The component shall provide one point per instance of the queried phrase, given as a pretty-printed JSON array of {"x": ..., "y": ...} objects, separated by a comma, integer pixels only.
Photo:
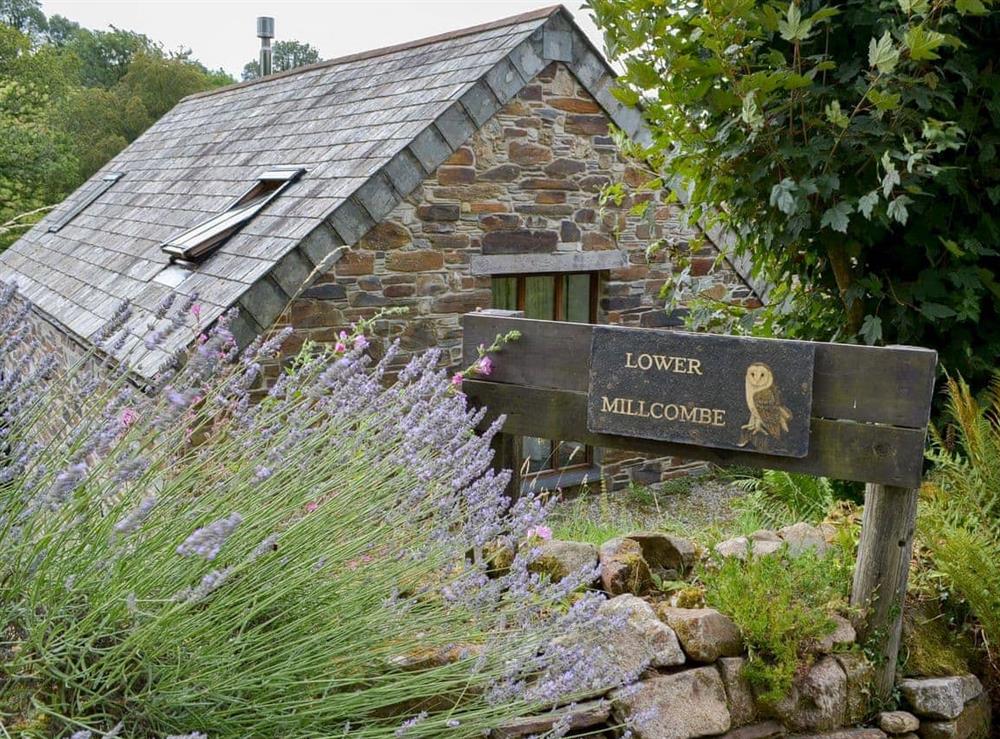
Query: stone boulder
[
  {"x": 560, "y": 559},
  {"x": 860, "y": 674},
  {"x": 803, "y": 537},
  {"x": 940, "y": 697},
  {"x": 817, "y": 701},
  {"x": 741, "y": 547},
  {"x": 704, "y": 633},
  {"x": 574, "y": 716},
  {"x": 765, "y": 730},
  {"x": 972, "y": 723},
  {"x": 742, "y": 708},
  {"x": 669, "y": 557},
  {"x": 623, "y": 569},
  {"x": 684, "y": 705},
  {"x": 859, "y": 733},
  {"x": 842, "y": 636},
  {"x": 898, "y": 722},
  {"x": 636, "y": 638}
]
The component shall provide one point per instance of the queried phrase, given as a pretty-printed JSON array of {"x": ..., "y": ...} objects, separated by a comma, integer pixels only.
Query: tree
[
  {"x": 285, "y": 55},
  {"x": 850, "y": 146},
  {"x": 25, "y": 16},
  {"x": 105, "y": 56}
]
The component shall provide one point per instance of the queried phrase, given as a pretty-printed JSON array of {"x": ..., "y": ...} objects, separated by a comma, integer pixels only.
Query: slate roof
[{"x": 367, "y": 128}]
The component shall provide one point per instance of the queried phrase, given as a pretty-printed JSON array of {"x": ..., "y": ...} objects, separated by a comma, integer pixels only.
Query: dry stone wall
[{"x": 527, "y": 184}]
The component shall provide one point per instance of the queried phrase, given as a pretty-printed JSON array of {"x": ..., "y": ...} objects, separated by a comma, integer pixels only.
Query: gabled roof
[{"x": 367, "y": 128}]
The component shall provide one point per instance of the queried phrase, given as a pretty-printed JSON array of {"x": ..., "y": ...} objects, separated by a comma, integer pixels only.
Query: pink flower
[
  {"x": 312, "y": 506},
  {"x": 485, "y": 367},
  {"x": 196, "y": 310},
  {"x": 343, "y": 336},
  {"x": 361, "y": 343},
  {"x": 129, "y": 416},
  {"x": 456, "y": 379},
  {"x": 540, "y": 532},
  {"x": 339, "y": 347}
]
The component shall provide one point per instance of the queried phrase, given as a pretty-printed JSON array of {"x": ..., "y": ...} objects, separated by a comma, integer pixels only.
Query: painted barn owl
[{"x": 767, "y": 414}]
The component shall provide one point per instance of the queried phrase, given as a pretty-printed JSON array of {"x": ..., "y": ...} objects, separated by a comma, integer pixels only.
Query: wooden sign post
[{"x": 843, "y": 411}]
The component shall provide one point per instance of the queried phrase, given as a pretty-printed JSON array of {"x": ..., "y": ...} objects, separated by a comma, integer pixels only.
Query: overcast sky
[{"x": 222, "y": 33}]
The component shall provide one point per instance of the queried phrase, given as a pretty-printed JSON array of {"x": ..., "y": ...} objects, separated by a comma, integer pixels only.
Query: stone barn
[{"x": 444, "y": 175}]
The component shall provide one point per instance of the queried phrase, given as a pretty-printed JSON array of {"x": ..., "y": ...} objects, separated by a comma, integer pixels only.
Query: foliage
[
  {"x": 850, "y": 147},
  {"x": 285, "y": 55},
  {"x": 72, "y": 98},
  {"x": 781, "y": 606},
  {"x": 778, "y": 498},
  {"x": 181, "y": 559},
  {"x": 960, "y": 516}
]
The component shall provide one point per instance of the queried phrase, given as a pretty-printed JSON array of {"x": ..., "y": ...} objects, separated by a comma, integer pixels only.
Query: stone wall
[
  {"x": 527, "y": 183},
  {"x": 690, "y": 659}
]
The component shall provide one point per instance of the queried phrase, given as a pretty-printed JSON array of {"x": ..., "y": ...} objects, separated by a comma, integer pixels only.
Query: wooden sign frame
[{"x": 870, "y": 412}]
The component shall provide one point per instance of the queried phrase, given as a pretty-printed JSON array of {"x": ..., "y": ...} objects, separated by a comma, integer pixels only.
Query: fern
[
  {"x": 960, "y": 515},
  {"x": 779, "y": 498}
]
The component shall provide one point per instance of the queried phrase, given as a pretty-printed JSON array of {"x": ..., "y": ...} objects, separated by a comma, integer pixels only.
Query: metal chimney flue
[{"x": 265, "y": 32}]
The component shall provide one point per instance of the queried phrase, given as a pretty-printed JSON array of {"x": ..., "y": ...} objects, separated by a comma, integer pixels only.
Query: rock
[
  {"x": 862, "y": 733},
  {"x": 766, "y": 730},
  {"x": 623, "y": 568},
  {"x": 817, "y": 700},
  {"x": 802, "y": 537},
  {"x": 842, "y": 636},
  {"x": 860, "y": 674},
  {"x": 764, "y": 535},
  {"x": 898, "y": 722},
  {"x": 680, "y": 706},
  {"x": 575, "y": 716},
  {"x": 742, "y": 708},
  {"x": 704, "y": 633},
  {"x": 639, "y": 639},
  {"x": 663, "y": 552},
  {"x": 940, "y": 697},
  {"x": 560, "y": 559},
  {"x": 972, "y": 723},
  {"x": 741, "y": 546}
]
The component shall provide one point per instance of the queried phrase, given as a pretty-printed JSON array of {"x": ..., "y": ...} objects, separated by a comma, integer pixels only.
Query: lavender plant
[{"x": 184, "y": 559}]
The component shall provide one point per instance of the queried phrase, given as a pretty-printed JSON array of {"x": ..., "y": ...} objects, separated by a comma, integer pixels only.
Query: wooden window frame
[{"x": 559, "y": 314}]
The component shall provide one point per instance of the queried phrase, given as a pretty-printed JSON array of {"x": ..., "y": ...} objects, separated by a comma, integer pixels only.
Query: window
[
  {"x": 99, "y": 188},
  {"x": 198, "y": 242},
  {"x": 551, "y": 297}
]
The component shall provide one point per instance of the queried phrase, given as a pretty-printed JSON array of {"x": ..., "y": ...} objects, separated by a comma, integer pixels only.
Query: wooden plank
[
  {"x": 880, "y": 575},
  {"x": 888, "y": 385},
  {"x": 839, "y": 449}
]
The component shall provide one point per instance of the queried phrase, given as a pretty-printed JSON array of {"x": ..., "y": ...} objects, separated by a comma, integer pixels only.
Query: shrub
[
  {"x": 778, "y": 498},
  {"x": 782, "y": 607},
  {"x": 181, "y": 559},
  {"x": 960, "y": 514}
]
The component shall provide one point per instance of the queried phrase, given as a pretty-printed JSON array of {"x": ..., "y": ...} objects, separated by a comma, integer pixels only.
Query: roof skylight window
[
  {"x": 99, "y": 188},
  {"x": 199, "y": 241}
]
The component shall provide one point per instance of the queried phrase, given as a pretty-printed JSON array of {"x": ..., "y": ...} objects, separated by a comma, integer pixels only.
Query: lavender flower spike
[{"x": 208, "y": 540}]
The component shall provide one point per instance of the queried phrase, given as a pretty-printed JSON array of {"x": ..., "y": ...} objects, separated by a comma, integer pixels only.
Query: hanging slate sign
[{"x": 728, "y": 392}]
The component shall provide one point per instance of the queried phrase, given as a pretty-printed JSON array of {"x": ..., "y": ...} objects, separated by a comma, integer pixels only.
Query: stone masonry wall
[{"x": 528, "y": 182}]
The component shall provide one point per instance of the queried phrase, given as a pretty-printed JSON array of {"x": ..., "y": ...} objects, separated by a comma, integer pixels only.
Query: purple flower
[
  {"x": 208, "y": 540},
  {"x": 485, "y": 367}
]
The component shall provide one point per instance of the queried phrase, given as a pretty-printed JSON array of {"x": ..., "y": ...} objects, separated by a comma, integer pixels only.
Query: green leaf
[
  {"x": 867, "y": 203},
  {"x": 836, "y": 217},
  {"x": 953, "y": 247},
  {"x": 793, "y": 27},
  {"x": 914, "y": 6},
  {"x": 936, "y": 310},
  {"x": 922, "y": 43},
  {"x": 882, "y": 54},
  {"x": 884, "y": 101},
  {"x": 891, "y": 175},
  {"x": 782, "y": 197},
  {"x": 836, "y": 116},
  {"x": 871, "y": 330},
  {"x": 970, "y": 7},
  {"x": 897, "y": 209},
  {"x": 750, "y": 114}
]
